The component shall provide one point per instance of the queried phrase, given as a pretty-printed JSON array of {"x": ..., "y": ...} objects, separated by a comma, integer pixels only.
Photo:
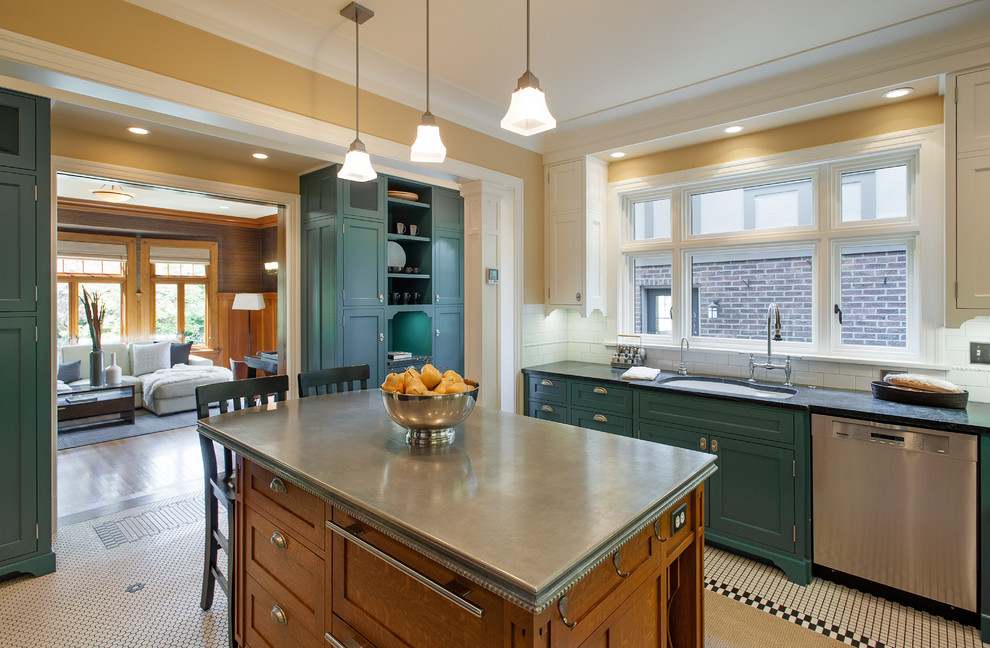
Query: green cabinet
[
  {"x": 547, "y": 411},
  {"x": 22, "y": 126},
  {"x": 448, "y": 343},
  {"x": 448, "y": 261},
  {"x": 362, "y": 273},
  {"x": 19, "y": 242},
  {"x": 362, "y": 334},
  {"x": 366, "y": 199},
  {"x": 597, "y": 406},
  {"x": 319, "y": 302}
]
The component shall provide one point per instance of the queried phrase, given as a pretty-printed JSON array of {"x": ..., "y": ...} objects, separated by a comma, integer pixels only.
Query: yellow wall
[
  {"x": 924, "y": 111},
  {"x": 171, "y": 48}
]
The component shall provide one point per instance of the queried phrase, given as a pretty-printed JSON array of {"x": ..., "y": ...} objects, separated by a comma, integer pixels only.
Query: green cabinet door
[
  {"x": 17, "y": 132},
  {"x": 319, "y": 303},
  {"x": 448, "y": 267},
  {"x": 448, "y": 341},
  {"x": 448, "y": 209},
  {"x": 603, "y": 422},
  {"x": 19, "y": 505},
  {"x": 362, "y": 267},
  {"x": 18, "y": 243},
  {"x": 365, "y": 199},
  {"x": 362, "y": 334},
  {"x": 751, "y": 496}
]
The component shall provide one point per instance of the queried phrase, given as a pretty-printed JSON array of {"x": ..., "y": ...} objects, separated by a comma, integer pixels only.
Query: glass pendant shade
[
  {"x": 428, "y": 147},
  {"x": 528, "y": 113},
  {"x": 357, "y": 164}
]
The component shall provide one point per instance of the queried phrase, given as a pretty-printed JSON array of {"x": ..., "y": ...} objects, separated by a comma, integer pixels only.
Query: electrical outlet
[
  {"x": 979, "y": 352},
  {"x": 678, "y": 518}
]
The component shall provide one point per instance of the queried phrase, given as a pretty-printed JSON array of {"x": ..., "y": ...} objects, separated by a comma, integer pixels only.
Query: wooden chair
[
  {"x": 218, "y": 484},
  {"x": 336, "y": 379}
]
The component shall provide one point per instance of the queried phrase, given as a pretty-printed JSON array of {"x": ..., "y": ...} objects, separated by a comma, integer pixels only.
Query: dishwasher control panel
[{"x": 890, "y": 435}]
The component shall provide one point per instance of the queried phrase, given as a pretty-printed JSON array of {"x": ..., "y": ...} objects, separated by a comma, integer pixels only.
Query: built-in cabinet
[
  {"x": 383, "y": 270},
  {"x": 575, "y": 235},
  {"x": 967, "y": 118},
  {"x": 759, "y": 499},
  {"x": 26, "y": 403}
]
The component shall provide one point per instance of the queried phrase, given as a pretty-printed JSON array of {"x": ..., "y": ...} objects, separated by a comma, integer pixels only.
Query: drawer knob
[
  {"x": 562, "y": 608},
  {"x": 546, "y": 383},
  {"x": 600, "y": 390},
  {"x": 600, "y": 418},
  {"x": 615, "y": 561},
  {"x": 714, "y": 445},
  {"x": 277, "y": 485},
  {"x": 278, "y": 616},
  {"x": 278, "y": 541}
]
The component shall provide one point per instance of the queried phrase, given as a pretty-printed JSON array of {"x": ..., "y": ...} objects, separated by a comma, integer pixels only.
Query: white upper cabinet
[
  {"x": 973, "y": 112},
  {"x": 575, "y": 235}
]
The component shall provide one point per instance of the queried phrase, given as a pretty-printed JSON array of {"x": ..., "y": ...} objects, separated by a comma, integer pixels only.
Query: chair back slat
[
  {"x": 335, "y": 379},
  {"x": 240, "y": 394}
]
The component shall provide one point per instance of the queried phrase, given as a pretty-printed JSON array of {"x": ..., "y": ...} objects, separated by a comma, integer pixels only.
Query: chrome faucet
[
  {"x": 682, "y": 370},
  {"x": 773, "y": 333}
]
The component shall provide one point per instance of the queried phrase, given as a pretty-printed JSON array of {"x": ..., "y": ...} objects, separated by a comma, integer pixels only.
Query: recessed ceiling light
[
  {"x": 137, "y": 130},
  {"x": 733, "y": 129},
  {"x": 223, "y": 207},
  {"x": 897, "y": 92},
  {"x": 618, "y": 154},
  {"x": 260, "y": 156}
]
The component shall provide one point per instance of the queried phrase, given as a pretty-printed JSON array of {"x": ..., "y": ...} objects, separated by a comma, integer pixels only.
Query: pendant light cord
[
  {"x": 357, "y": 75},
  {"x": 527, "y": 35},
  {"x": 427, "y": 55}
]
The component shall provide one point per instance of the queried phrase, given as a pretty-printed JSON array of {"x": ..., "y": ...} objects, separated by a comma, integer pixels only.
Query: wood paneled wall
[{"x": 234, "y": 329}]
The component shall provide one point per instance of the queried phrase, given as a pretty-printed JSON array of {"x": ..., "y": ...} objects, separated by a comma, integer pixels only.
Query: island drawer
[
  {"x": 602, "y": 421},
  {"x": 275, "y": 558},
  {"x": 271, "y": 622},
  {"x": 298, "y": 511},
  {"x": 603, "y": 397},
  {"x": 548, "y": 388},
  {"x": 723, "y": 417},
  {"x": 387, "y": 591},
  {"x": 547, "y": 411}
]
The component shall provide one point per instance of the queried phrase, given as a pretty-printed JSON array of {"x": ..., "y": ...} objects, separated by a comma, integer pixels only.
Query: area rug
[{"x": 145, "y": 422}]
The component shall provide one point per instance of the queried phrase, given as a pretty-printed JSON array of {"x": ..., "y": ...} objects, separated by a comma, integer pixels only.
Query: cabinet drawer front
[
  {"x": 547, "y": 411},
  {"x": 261, "y": 609},
  {"x": 720, "y": 416},
  {"x": 384, "y": 603},
  {"x": 602, "y": 421},
  {"x": 274, "y": 555},
  {"x": 603, "y": 397},
  {"x": 548, "y": 388},
  {"x": 302, "y": 513}
]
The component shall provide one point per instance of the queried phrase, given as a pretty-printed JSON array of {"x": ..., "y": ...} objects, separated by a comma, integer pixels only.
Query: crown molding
[{"x": 143, "y": 211}]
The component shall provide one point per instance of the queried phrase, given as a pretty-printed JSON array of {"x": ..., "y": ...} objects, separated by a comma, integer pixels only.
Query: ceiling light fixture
[
  {"x": 112, "y": 193},
  {"x": 733, "y": 129},
  {"x": 137, "y": 130},
  {"x": 260, "y": 156},
  {"x": 357, "y": 163},
  {"x": 528, "y": 113},
  {"x": 618, "y": 154},
  {"x": 897, "y": 92},
  {"x": 428, "y": 147}
]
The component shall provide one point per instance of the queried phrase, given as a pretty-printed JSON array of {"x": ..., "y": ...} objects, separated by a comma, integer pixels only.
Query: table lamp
[{"x": 249, "y": 302}]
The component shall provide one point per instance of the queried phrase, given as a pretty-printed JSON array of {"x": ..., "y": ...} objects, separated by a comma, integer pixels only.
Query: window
[
  {"x": 180, "y": 306},
  {"x": 104, "y": 277},
  {"x": 822, "y": 239}
]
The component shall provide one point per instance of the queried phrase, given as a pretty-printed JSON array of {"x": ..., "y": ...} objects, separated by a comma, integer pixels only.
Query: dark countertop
[{"x": 975, "y": 419}]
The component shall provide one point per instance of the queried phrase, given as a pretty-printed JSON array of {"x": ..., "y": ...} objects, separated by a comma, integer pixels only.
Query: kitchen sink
[{"x": 727, "y": 386}]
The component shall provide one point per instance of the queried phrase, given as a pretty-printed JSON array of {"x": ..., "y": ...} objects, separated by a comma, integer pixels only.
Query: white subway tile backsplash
[
  {"x": 807, "y": 378},
  {"x": 838, "y": 381}
]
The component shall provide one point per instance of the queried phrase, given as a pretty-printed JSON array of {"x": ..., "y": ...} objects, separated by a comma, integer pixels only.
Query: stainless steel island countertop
[{"x": 521, "y": 506}]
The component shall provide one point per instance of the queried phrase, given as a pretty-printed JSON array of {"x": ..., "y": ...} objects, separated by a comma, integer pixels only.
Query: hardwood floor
[{"x": 107, "y": 477}]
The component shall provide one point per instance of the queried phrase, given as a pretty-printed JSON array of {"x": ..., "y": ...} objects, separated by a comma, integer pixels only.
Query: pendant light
[
  {"x": 428, "y": 147},
  {"x": 528, "y": 113},
  {"x": 357, "y": 162},
  {"x": 112, "y": 193}
]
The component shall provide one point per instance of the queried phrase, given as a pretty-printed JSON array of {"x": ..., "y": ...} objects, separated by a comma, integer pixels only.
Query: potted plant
[{"x": 95, "y": 311}]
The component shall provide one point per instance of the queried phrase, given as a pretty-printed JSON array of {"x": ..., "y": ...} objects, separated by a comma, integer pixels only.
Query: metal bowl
[{"x": 429, "y": 419}]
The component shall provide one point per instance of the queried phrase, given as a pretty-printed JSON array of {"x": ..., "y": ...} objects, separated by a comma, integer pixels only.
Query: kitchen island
[{"x": 519, "y": 533}]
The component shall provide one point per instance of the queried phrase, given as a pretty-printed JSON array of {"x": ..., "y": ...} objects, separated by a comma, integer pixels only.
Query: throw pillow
[
  {"x": 150, "y": 357},
  {"x": 68, "y": 371},
  {"x": 180, "y": 353}
]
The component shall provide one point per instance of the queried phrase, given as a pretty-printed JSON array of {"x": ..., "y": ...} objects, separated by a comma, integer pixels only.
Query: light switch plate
[{"x": 979, "y": 352}]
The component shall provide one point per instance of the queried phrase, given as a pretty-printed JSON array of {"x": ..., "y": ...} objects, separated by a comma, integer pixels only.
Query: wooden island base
[{"x": 307, "y": 574}]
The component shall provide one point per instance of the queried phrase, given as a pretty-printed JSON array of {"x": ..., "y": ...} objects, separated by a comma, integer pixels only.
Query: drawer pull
[
  {"x": 615, "y": 561},
  {"x": 278, "y": 616},
  {"x": 600, "y": 418},
  {"x": 714, "y": 445},
  {"x": 562, "y": 608},
  {"x": 351, "y": 533},
  {"x": 278, "y": 541},
  {"x": 703, "y": 443},
  {"x": 337, "y": 643},
  {"x": 656, "y": 530},
  {"x": 600, "y": 390},
  {"x": 277, "y": 485},
  {"x": 546, "y": 383},
  {"x": 547, "y": 408}
]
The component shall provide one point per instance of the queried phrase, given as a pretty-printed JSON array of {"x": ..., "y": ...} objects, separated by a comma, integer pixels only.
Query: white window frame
[
  {"x": 630, "y": 283},
  {"x": 920, "y": 148},
  {"x": 628, "y": 232}
]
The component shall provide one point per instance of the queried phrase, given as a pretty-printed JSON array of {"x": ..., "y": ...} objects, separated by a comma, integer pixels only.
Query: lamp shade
[
  {"x": 428, "y": 147},
  {"x": 528, "y": 113},
  {"x": 112, "y": 193},
  {"x": 248, "y": 301},
  {"x": 357, "y": 164}
]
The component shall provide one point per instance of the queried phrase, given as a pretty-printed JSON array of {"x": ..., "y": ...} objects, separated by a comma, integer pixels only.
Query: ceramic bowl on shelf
[{"x": 407, "y": 270}]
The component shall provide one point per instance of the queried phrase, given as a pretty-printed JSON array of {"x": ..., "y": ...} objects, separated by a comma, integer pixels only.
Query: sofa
[{"x": 172, "y": 387}]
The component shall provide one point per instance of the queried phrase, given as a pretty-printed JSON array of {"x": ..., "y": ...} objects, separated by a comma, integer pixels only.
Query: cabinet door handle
[
  {"x": 703, "y": 443},
  {"x": 546, "y": 383},
  {"x": 278, "y": 616},
  {"x": 656, "y": 530},
  {"x": 615, "y": 561},
  {"x": 547, "y": 408},
  {"x": 277, "y": 485},
  {"x": 438, "y": 298},
  {"x": 562, "y": 608},
  {"x": 381, "y": 299},
  {"x": 600, "y": 418},
  {"x": 337, "y": 643},
  {"x": 600, "y": 390},
  {"x": 351, "y": 534},
  {"x": 578, "y": 296},
  {"x": 714, "y": 445},
  {"x": 438, "y": 332},
  {"x": 278, "y": 541}
]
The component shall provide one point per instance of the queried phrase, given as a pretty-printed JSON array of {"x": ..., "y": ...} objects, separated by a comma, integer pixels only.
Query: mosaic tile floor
[
  {"x": 130, "y": 579},
  {"x": 836, "y": 611}
]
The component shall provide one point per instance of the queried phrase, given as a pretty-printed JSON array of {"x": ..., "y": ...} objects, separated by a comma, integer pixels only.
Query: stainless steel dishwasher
[{"x": 897, "y": 505}]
